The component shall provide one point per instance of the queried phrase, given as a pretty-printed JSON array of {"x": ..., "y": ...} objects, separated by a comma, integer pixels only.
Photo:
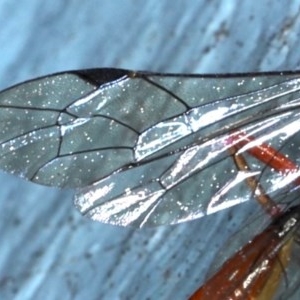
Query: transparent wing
[{"x": 148, "y": 149}]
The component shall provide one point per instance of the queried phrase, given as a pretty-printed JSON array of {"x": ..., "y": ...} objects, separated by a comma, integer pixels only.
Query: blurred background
[{"x": 48, "y": 250}]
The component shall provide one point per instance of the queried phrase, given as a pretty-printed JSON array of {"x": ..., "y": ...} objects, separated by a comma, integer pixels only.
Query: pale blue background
[{"x": 47, "y": 250}]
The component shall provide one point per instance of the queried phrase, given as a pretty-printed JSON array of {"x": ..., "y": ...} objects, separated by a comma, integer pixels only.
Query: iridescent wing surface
[{"x": 145, "y": 149}]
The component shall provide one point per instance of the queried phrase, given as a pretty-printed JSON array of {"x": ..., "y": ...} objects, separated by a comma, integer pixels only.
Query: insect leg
[{"x": 255, "y": 270}]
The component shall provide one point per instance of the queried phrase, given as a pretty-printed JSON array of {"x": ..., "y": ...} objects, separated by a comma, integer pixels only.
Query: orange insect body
[{"x": 248, "y": 272}]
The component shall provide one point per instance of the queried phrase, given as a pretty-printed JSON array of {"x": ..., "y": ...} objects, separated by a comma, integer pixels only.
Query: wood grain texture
[{"x": 48, "y": 250}]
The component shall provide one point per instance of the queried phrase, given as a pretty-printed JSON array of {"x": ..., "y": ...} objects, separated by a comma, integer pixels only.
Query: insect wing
[{"x": 136, "y": 143}]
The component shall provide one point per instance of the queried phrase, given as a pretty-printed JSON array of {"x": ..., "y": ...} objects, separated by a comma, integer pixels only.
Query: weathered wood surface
[{"x": 48, "y": 250}]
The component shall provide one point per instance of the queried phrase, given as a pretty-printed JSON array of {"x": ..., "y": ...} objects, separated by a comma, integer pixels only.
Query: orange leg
[
  {"x": 265, "y": 153},
  {"x": 262, "y": 198}
]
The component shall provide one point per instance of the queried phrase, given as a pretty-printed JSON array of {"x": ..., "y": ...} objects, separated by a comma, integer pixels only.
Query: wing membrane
[{"x": 137, "y": 144}]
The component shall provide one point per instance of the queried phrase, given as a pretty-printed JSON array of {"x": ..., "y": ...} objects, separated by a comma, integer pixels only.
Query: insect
[
  {"x": 134, "y": 144},
  {"x": 255, "y": 271},
  {"x": 144, "y": 149}
]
